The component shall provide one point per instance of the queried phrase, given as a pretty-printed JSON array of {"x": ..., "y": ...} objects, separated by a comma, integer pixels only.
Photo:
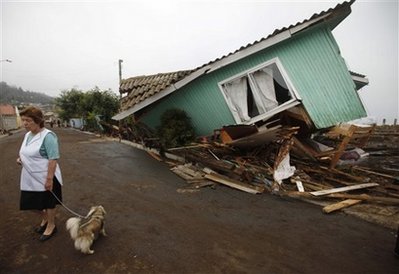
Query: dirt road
[{"x": 152, "y": 228}]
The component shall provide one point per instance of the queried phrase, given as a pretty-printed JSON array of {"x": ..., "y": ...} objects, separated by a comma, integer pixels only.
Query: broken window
[{"x": 259, "y": 93}]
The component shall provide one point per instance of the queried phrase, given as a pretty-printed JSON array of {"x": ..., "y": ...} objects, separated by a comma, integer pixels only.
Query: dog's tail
[{"x": 72, "y": 225}]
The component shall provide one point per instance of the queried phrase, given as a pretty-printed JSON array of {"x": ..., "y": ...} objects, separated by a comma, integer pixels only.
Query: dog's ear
[{"x": 102, "y": 209}]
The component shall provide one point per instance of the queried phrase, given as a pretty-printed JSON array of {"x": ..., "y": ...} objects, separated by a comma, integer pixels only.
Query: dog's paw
[{"x": 88, "y": 252}]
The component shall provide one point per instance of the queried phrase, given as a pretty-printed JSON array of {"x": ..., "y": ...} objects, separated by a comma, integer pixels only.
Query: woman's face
[{"x": 29, "y": 124}]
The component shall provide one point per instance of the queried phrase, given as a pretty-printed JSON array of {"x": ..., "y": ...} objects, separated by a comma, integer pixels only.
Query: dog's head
[{"x": 97, "y": 211}]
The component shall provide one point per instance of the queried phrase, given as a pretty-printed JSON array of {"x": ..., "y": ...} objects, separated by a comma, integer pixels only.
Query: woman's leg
[
  {"x": 50, "y": 217},
  {"x": 43, "y": 215}
]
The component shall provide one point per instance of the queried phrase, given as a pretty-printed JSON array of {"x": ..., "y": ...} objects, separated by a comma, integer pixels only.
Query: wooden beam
[
  {"x": 181, "y": 174},
  {"x": 340, "y": 205},
  {"x": 365, "y": 197},
  {"x": 234, "y": 183},
  {"x": 339, "y": 151},
  {"x": 308, "y": 151},
  {"x": 299, "y": 185},
  {"x": 355, "y": 178},
  {"x": 373, "y": 172},
  {"x": 188, "y": 147},
  {"x": 342, "y": 189},
  {"x": 220, "y": 166},
  {"x": 155, "y": 156}
]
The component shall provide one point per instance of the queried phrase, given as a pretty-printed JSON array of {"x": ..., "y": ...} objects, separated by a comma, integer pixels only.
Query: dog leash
[{"x": 67, "y": 208}]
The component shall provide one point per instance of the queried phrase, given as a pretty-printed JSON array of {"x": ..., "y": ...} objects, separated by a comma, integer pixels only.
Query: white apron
[{"x": 34, "y": 165}]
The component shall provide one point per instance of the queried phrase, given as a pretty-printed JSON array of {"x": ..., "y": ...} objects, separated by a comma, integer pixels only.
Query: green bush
[{"x": 175, "y": 129}]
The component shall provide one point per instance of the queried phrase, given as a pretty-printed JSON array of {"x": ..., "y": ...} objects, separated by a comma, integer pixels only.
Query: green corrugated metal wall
[
  {"x": 322, "y": 79},
  {"x": 312, "y": 62}
]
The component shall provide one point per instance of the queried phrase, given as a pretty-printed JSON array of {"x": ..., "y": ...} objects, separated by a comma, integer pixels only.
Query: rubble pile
[
  {"x": 348, "y": 168},
  {"x": 282, "y": 168}
]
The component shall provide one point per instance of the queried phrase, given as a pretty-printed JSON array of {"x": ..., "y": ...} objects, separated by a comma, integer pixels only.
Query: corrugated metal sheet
[{"x": 330, "y": 96}]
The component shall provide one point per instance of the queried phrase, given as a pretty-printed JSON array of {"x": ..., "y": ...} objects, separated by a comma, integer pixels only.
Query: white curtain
[
  {"x": 266, "y": 99},
  {"x": 236, "y": 93}
]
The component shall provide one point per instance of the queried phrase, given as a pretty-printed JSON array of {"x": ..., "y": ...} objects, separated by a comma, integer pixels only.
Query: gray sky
[{"x": 57, "y": 45}]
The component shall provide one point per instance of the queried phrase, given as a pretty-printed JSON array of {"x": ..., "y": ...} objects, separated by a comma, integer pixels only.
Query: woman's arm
[
  {"x": 52, "y": 164},
  {"x": 50, "y": 145}
]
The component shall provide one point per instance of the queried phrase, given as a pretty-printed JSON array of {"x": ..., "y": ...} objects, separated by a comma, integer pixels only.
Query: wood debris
[
  {"x": 342, "y": 168},
  {"x": 340, "y": 205},
  {"x": 234, "y": 183},
  {"x": 342, "y": 189},
  {"x": 251, "y": 169}
]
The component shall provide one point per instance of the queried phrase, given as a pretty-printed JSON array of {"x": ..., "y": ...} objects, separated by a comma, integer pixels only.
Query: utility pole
[
  {"x": 120, "y": 97},
  {"x": 120, "y": 76}
]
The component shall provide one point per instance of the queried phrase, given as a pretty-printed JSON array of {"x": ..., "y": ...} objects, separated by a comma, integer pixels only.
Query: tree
[
  {"x": 104, "y": 103},
  {"x": 70, "y": 103},
  {"x": 176, "y": 128},
  {"x": 88, "y": 105}
]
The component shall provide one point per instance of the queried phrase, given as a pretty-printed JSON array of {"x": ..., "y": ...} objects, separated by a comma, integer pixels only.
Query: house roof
[
  {"x": 141, "y": 87},
  {"x": 360, "y": 80},
  {"x": 7, "y": 110},
  {"x": 144, "y": 90}
]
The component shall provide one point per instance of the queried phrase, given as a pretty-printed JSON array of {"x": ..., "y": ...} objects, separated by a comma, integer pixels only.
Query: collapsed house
[
  {"x": 284, "y": 87},
  {"x": 290, "y": 92}
]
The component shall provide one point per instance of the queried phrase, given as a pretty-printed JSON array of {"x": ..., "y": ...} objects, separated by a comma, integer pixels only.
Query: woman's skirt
[{"x": 41, "y": 199}]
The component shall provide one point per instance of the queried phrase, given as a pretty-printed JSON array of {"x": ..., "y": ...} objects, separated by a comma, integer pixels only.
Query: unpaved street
[{"x": 152, "y": 228}]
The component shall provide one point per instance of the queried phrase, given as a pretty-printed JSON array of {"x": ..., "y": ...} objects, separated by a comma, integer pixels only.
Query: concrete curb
[{"x": 142, "y": 147}]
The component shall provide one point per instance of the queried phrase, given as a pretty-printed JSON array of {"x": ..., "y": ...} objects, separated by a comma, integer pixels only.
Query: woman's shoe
[
  {"x": 41, "y": 228},
  {"x": 46, "y": 237}
]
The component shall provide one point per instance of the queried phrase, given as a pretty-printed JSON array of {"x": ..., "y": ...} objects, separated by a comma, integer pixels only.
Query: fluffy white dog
[{"x": 84, "y": 234}]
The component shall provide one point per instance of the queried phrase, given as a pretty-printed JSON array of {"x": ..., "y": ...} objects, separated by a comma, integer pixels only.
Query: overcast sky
[{"x": 59, "y": 45}]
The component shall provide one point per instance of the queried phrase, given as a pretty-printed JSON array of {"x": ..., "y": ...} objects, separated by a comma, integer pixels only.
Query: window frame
[{"x": 295, "y": 98}]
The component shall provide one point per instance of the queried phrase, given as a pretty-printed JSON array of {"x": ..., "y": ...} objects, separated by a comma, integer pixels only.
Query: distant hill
[{"x": 15, "y": 96}]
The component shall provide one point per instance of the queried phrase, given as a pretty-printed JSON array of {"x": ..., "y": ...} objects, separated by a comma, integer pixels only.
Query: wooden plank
[
  {"x": 154, "y": 155},
  {"x": 305, "y": 149},
  {"x": 342, "y": 189},
  {"x": 264, "y": 136},
  {"x": 352, "y": 177},
  {"x": 374, "y": 173},
  {"x": 222, "y": 166},
  {"x": 189, "y": 147},
  {"x": 299, "y": 185},
  {"x": 186, "y": 169},
  {"x": 340, "y": 205},
  {"x": 234, "y": 183},
  {"x": 365, "y": 197},
  {"x": 214, "y": 155},
  {"x": 181, "y": 174},
  {"x": 339, "y": 151}
]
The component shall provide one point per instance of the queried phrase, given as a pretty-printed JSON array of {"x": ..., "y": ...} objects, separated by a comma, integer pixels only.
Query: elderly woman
[{"x": 40, "y": 176}]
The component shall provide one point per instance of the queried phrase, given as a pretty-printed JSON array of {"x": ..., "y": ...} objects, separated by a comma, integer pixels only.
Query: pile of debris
[
  {"x": 336, "y": 169},
  {"x": 350, "y": 168}
]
